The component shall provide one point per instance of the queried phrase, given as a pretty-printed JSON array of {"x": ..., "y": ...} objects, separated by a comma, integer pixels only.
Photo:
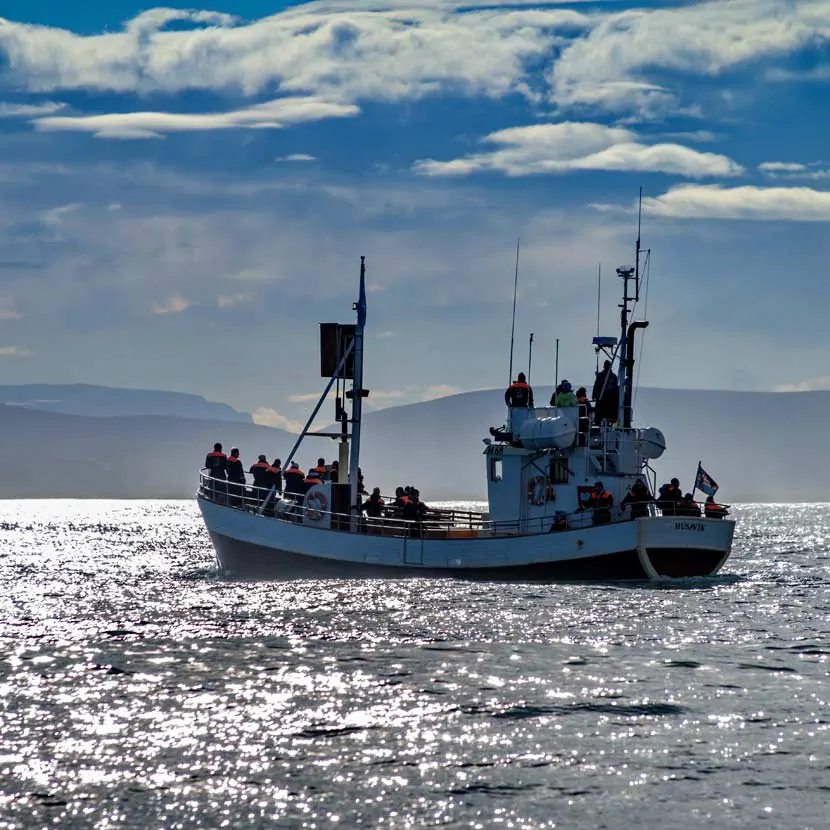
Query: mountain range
[{"x": 759, "y": 446}]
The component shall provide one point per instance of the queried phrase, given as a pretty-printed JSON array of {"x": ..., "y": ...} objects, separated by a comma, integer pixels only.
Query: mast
[
  {"x": 626, "y": 368},
  {"x": 513, "y": 325},
  {"x": 357, "y": 386}
]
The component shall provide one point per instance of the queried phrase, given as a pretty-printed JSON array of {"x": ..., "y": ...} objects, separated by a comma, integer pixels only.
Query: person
[
  {"x": 314, "y": 477},
  {"x": 400, "y": 502},
  {"x": 261, "y": 476},
  {"x": 216, "y": 463},
  {"x": 565, "y": 396},
  {"x": 294, "y": 478},
  {"x": 414, "y": 511},
  {"x": 639, "y": 498},
  {"x": 236, "y": 477},
  {"x": 585, "y": 413},
  {"x": 669, "y": 496},
  {"x": 320, "y": 470},
  {"x": 601, "y": 502},
  {"x": 713, "y": 510},
  {"x": 519, "y": 394},
  {"x": 275, "y": 473},
  {"x": 334, "y": 472},
  {"x": 374, "y": 505},
  {"x": 606, "y": 394},
  {"x": 687, "y": 506},
  {"x": 361, "y": 490}
]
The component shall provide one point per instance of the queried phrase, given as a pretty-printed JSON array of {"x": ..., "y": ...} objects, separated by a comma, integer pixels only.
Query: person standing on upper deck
[
  {"x": 565, "y": 396},
  {"x": 606, "y": 394},
  {"x": 519, "y": 394}
]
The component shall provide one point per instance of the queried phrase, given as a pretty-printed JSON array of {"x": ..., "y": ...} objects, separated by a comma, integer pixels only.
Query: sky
[{"x": 185, "y": 193}]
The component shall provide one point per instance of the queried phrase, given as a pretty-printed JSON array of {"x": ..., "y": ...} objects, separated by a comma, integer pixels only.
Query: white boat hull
[{"x": 249, "y": 544}]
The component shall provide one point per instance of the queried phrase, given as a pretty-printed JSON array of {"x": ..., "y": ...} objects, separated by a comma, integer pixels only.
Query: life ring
[
  {"x": 316, "y": 504},
  {"x": 536, "y": 490}
]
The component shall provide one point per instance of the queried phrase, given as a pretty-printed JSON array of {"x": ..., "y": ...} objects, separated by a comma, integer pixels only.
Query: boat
[{"x": 541, "y": 468}]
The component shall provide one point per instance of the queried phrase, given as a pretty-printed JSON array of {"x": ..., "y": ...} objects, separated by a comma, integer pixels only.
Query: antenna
[
  {"x": 529, "y": 357},
  {"x": 513, "y": 325},
  {"x": 556, "y": 366},
  {"x": 637, "y": 252},
  {"x": 599, "y": 294}
]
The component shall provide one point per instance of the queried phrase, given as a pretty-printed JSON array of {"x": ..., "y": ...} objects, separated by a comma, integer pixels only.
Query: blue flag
[{"x": 705, "y": 483}]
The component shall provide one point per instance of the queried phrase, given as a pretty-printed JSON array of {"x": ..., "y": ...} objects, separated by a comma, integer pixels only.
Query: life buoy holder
[
  {"x": 316, "y": 504},
  {"x": 537, "y": 490}
]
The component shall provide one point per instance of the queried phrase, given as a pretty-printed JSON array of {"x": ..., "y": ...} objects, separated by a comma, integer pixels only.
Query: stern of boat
[{"x": 677, "y": 547}]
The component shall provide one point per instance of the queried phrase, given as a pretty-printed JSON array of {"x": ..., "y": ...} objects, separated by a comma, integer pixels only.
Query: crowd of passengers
[
  {"x": 670, "y": 499},
  {"x": 227, "y": 474}
]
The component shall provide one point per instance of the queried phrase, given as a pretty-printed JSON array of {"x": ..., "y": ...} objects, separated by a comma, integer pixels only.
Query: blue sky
[{"x": 185, "y": 193}]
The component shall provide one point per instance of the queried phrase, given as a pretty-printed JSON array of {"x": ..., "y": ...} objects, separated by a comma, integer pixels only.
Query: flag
[{"x": 704, "y": 482}]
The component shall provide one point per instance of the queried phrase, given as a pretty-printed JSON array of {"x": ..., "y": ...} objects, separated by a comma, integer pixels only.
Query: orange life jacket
[{"x": 217, "y": 454}]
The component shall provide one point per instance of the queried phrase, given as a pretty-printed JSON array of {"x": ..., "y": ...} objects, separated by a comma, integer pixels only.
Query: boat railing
[{"x": 436, "y": 522}]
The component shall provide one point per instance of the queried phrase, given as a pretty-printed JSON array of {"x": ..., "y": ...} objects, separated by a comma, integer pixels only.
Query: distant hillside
[
  {"x": 758, "y": 446},
  {"x": 105, "y": 401},
  {"x": 67, "y": 456}
]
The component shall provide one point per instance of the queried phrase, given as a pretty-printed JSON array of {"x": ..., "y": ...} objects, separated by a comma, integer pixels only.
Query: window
[
  {"x": 496, "y": 472},
  {"x": 559, "y": 472}
]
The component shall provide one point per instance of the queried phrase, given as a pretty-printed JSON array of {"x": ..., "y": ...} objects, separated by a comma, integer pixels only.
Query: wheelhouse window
[
  {"x": 559, "y": 473},
  {"x": 496, "y": 471}
]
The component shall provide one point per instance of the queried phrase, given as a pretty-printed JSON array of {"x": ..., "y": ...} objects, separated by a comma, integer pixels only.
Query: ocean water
[{"x": 139, "y": 689}]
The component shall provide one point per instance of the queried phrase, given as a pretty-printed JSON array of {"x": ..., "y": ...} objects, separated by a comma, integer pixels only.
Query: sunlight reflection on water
[{"x": 139, "y": 689}]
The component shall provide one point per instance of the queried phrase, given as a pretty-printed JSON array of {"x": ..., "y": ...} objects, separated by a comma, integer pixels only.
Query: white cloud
[
  {"x": 818, "y": 384},
  {"x": 265, "y": 416},
  {"x": 297, "y": 157},
  {"x": 382, "y": 398},
  {"x": 15, "y": 351},
  {"x": 406, "y": 49},
  {"x": 29, "y": 110},
  {"x": 561, "y": 148},
  {"x": 781, "y": 167},
  {"x": 227, "y": 301},
  {"x": 385, "y": 335},
  {"x": 174, "y": 305},
  {"x": 271, "y": 115},
  {"x": 799, "y": 204},
  {"x": 610, "y": 67},
  {"x": 8, "y": 310}
]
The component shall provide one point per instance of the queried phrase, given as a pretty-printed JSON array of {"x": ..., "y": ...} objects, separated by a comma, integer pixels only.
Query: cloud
[
  {"x": 8, "y": 310},
  {"x": 385, "y": 335},
  {"x": 819, "y": 384},
  {"x": 274, "y": 114},
  {"x": 265, "y": 416},
  {"x": 297, "y": 157},
  {"x": 569, "y": 146},
  {"x": 382, "y": 398},
  {"x": 29, "y": 110},
  {"x": 780, "y": 167},
  {"x": 304, "y": 397},
  {"x": 227, "y": 301},
  {"x": 798, "y": 204},
  {"x": 609, "y": 67},
  {"x": 175, "y": 305},
  {"x": 607, "y": 59},
  {"x": 15, "y": 351}
]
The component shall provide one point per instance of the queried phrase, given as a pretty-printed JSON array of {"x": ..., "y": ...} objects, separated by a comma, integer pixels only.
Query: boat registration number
[{"x": 698, "y": 526}]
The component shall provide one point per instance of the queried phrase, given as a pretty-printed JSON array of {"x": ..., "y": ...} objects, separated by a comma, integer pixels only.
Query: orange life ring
[
  {"x": 536, "y": 490},
  {"x": 314, "y": 512}
]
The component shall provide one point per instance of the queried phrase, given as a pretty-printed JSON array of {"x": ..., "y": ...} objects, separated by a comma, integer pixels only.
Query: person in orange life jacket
[
  {"x": 320, "y": 470},
  {"x": 601, "y": 502},
  {"x": 414, "y": 511},
  {"x": 261, "y": 476},
  {"x": 585, "y": 409},
  {"x": 216, "y": 463},
  {"x": 687, "y": 506},
  {"x": 713, "y": 510},
  {"x": 236, "y": 477},
  {"x": 400, "y": 501},
  {"x": 373, "y": 505},
  {"x": 313, "y": 478},
  {"x": 294, "y": 477},
  {"x": 519, "y": 394},
  {"x": 639, "y": 498},
  {"x": 668, "y": 497},
  {"x": 275, "y": 475}
]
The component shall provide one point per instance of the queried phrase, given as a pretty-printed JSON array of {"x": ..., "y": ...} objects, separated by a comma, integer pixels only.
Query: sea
[{"x": 141, "y": 689}]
